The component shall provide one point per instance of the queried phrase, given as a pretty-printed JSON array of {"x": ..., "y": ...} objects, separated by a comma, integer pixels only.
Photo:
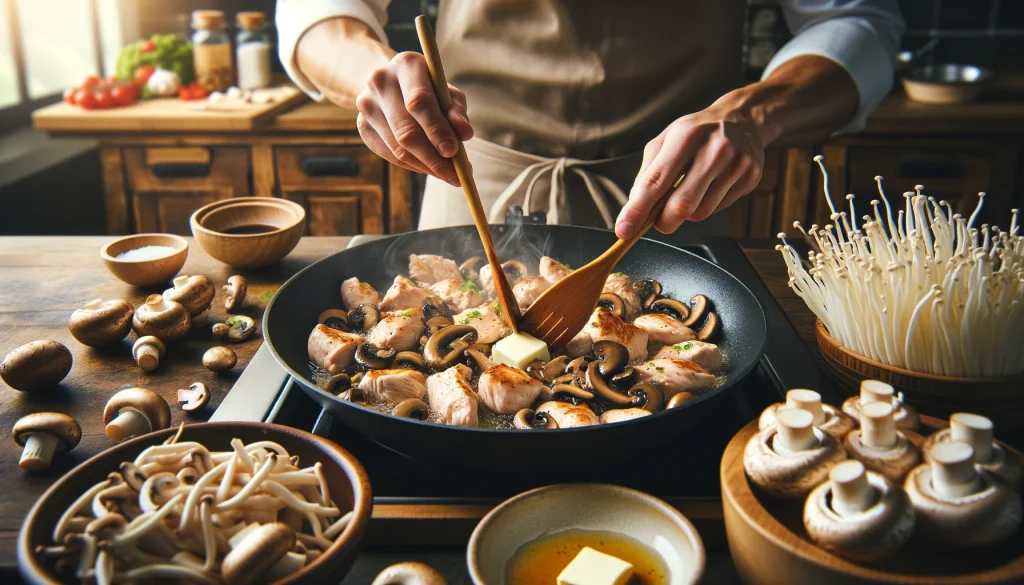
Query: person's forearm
[
  {"x": 337, "y": 56},
  {"x": 805, "y": 100}
]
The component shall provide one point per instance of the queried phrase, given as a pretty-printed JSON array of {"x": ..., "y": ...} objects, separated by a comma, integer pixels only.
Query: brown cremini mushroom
[
  {"x": 877, "y": 391},
  {"x": 613, "y": 303},
  {"x": 791, "y": 457},
  {"x": 529, "y": 419},
  {"x": 648, "y": 290},
  {"x": 447, "y": 345},
  {"x": 260, "y": 549},
  {"x": 37, "y": 365},
  {"x": 135, "y": 411},
  {"x": 219, "y": 359},
  {"x": 43, "y": 433},
  {"x": 679, "y": 399},
  {"x": 240, "y": 328},
  {"x": 879, "y": 446},
  {"x": 670, "y": 307},
  {"x": 363, "y": 317},
  {"x": 699, "y": 305},
  {"x": 334, "y": 318},
  {"x": 977, "y": 431},
  {"x": 101, "y": 323},
  {"x": 194, "y": 397},
  {"x": 235, "y": 291},
  {"x": 826, "y": 417},
  {"x": 710, "y": 328},
  {"x": 161, "y": 318},
  {"x": 147, "y": 352},
  {"x": 410, "y": 573},
  {"x": 195, "y": 293},
  {"x": 411, "y": 408},
  {"x": 220, "y": 330}
]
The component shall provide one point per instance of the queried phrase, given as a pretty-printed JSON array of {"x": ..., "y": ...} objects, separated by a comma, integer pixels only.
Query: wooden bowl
[
  {"x": 145, "y": 273},
  {"x": 225, "y": 230},
  {"x": 769, "y": 545},
  {"x": 1000, "y": 399},
  {"x": 348, "y": 482},
  {"x": 588, "y": 506}
]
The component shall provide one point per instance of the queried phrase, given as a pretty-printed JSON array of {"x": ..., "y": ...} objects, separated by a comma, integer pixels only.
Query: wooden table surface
[{"x": 44, "y": 279}]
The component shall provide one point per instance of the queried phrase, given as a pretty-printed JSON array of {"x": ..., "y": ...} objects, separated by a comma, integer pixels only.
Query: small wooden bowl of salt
[{"x": 145, "y": 260}]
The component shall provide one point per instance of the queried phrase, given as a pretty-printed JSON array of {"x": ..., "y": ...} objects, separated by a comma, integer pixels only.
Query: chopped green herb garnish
[
  {"x": 406, "y": 313},
  {"x": 620, "y": 274},
  {"x": 496, "y": 306},
  {"x": 566, "y": 265},
  {"x": 650, "y": 364},
  {"x": 688, "y": 346},
  {"x": 463, "y": 321},
  {"x": 660, "y": 369},
  {"x": 473, "y": 315},
  {"x": 593, "y": 323},
  {"x": 469, "y": 285},
  {"x": 676, "y": 347}
]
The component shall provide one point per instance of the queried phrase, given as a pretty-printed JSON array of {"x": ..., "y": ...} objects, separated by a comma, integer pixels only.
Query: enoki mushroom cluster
[
  {"x": 182, "y": 512},
  {"x": 925, "y": 291}
]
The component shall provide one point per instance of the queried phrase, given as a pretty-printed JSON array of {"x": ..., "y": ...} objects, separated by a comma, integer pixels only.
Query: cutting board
[{"x": 166, "y": 115}]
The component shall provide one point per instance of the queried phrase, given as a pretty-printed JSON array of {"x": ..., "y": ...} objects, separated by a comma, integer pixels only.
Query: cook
[{"x": 570, "y": 97}]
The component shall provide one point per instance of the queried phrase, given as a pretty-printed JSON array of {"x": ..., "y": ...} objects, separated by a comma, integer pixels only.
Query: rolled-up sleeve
[
  {"x": 294, "y": 17},
  {"x": 862, "y": 36}
]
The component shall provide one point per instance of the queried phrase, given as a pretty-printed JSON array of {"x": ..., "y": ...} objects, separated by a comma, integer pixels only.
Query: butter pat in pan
[
  {"x": 518, "y": 350},
  {"x": 591, "y": 567}
]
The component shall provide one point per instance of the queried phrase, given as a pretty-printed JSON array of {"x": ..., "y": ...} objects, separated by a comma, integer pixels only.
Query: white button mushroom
[
  {"x": 259, "y": 550},
  {"x": 906, "y": 416},
  {"x": 235, "y": 291},
  {"x": 826, "y": 417},
  {"x": 101, "y": 322},
  {"x": 134, "y": 412},
  {"x": 41, "y": 434},
  {"x": 879, "y": 446},
  {"x": 790, "y": 457},
  {"x": 219, "y": 359},
  {"x": 977, "y": 431},
  {"x": 196, "y": 294},
  {"x": 38, "y": 365},
  {"x": 161, "y": 318},
  {"x": 409, "y": 573},
  {"x": 147, "y": 352},
  {"x": 194, "y": 397}
]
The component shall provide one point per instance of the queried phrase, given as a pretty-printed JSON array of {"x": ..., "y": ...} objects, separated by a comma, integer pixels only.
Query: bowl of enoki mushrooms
[
  {"x": 211, "y": 503},
  {"x": 920, "y": 297}
]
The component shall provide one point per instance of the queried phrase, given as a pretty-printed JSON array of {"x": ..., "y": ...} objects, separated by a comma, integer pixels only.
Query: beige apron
[{"x": 564, "y": 94}]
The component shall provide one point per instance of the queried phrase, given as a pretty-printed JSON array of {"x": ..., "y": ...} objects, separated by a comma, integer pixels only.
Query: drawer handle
[
  {"x": 181, "y": 170},
  {"x": 930, "y": 169},
  {"x": 330, "y": 166}
]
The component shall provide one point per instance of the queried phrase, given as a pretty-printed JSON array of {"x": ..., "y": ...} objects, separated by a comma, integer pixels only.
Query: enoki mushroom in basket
[
  {"x": 927, "y": 291},
  {"x": 180, "y": 511}
]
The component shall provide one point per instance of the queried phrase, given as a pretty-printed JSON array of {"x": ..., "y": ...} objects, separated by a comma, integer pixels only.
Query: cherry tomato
[
  {"x": 147, "y": 46},
  {"x": 104, "y": 99},
  {"x": 142, "y": 74},
  {"x": 86, "y": 99},
  {"x": 124, "y": 95},
  {"x": 91, "y": 81},
  {"x": 69, "y": 95}
]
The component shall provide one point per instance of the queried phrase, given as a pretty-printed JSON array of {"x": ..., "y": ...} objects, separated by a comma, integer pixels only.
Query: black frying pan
[{"x": 293, "y": 313}]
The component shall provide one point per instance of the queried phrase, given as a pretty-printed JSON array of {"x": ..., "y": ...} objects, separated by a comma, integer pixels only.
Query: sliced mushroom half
[
  {"x": 701, "y": 304},
  {"x": 374, "y": 358},
  {"x": 335, "y": 319},
  {"x": 612, "y": 357},
  {"x": 477, "y": 360},
  {"x": 679, "y": 399},
  {"x": 677, "y": 309},
  {"x": 601, "y": 387},
  {"x": 710, "y": 328},
  {"x": 469, "y": 268},
  {"x": 613, "y": 303},
  {"x": 514, "y": 270},
  {"x": 625, "y": 378},
  {"x": 647, "y": 397},
  {"x": 547, "y": 371},
  {"x": 363, "y": 317},
  {"x": 446, "y": 346},
  {"x": 562, "y": 391},
  {"x": 528, "y": 419},
  {"x": 338, "y": 383},
  {"x": 411, "y": 408},
  {"x": 435, "y": 324},
  {"x": 648, "y": 291},
  {"x": 435, "y": 307},
  {"x": 410, "y": 360}
]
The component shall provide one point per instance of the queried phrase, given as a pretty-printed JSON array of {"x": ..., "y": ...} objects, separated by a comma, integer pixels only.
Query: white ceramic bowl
[{"x": 583, "y": 506}]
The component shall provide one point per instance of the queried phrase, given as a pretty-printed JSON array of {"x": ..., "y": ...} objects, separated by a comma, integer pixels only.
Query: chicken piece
[
  {"x": 553, "y": 270},
  {"x": 487, "y": 280},
  {"x": 457, "y": 294},
  {"x": 603, "y": 324},
  {"x": 393, "y": 386},
  {"x": 405, "y": 294},
  {"x": 399, "y": 330},
  {"x": 487, "y": 321},
  {"x": 579, "y": 345},
  {"x": 430, "y": 268},
  {"x": 355, "y": 293},
  {"x": 507, "y": 390},
  {"x": 674, "y": 375},
  {"x": 662, "y": 328},
  {"x": 622, "y": 414},
  {"x": 332, "y": 350},
  {"x": 529, "y": 289},
  {"x": 619, "y": 284},
  {"x": 704, "y": 354},
  {"x": 450, "y": 395},
  {"x": 567, "y": 415}
]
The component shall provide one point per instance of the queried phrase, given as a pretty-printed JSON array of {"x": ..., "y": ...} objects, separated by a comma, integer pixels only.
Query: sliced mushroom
[
  {"x": 600, "y": 386},
  {"x": 132, "y": 475},
  {"x": 219, "y": 359},
  {"x": 194, "y": 397},
  {"x": 240, "y": 328},
  {"x": 613, "y": 303},
  {"x": 410, "y": 360},
  {"x": 446, "y": 346},
  {"x": 43, "y": 433},
  {"x": 255, "y": 554},
  {"x": 161, "y": 318},
  {"x": 559, "y": 391},
  {"x": 411, "y": 408},
  {"x": 528, "y": 419},
  {"x": 679, "y": 399},
  {"x": 435, "y": 324},
  {"x": 469, "y": 268},
  {"x": 514, "y": 270},
  {"x": 547, "y": 371},
  {"x": 566, "y": 378},
  {"x": 38, "y": 365},
  {"x": 409, "y": 573},
  {"x": 672, "y": 307},
  {"x": 710, "y": 328},
  {"x": 436, "y": 307},
  {"x": 648, "y": 290},
  {"x": 700, "y": 306},
  {"x": 647, "y": 397},
  {"x": 101, "y": 323},
  {"x": 135, "y": 411},
  {"x": 335, "y": 319},
  {"x": 235, "y": 290},
  {"x": 374, "y": 358},
  {"x": 338, "y": 383},
  {"x": 363, "y": 317},
  {"x": 625, "y": 378},
  {"x": 612, "y": 357},
  {"x": 147, "y": 352},
  {"x": 196, "y": 294},
  {"x": 477, "y": 360}
]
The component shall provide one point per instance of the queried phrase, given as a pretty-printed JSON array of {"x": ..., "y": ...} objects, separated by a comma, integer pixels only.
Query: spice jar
[
  {"x": 252, "y": 51},
  {"x": 211, "y": 50}
]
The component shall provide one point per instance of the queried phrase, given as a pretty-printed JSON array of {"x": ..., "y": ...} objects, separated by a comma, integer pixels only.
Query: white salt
[{"x": 146, "y": 253}]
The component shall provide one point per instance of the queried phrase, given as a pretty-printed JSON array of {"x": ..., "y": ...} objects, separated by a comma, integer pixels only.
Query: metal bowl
[{"x": 948, "y": 83}]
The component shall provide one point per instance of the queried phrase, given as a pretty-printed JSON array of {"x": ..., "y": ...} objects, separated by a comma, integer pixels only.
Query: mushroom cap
[
  {"x": 161, "y": 318},
  {"x": 257, "y": 553},
  {"x": 236, "y": 290},
  {"x": 219, "y": 359},
  {"x": 878, "y": 532},
  {"x": 409, "y": 573},
  {"x": 194, "y": 292},
  {"x": 101, "y": 323},
  {"x": 837, "y": 423},
  {"x": 240, "y": 327},
  {"x": 1005, "y": 466},
  {"x": 37, "y": 365},
  {"x": 148, "y": 340},
  {"x": 144, "y": 401},
  {"x": 62, "y": 426},
  {"x": 792, "y": 475},
  {"x": 894, "y": 463}
]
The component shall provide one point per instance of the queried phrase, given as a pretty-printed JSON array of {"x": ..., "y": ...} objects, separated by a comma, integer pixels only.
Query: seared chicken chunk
[
  {"x": 704, "y": 354},
  {"x": 458, "y": 294},
  {"x": 622, "y": 414},
  {"x": 579, "y": 345},
  {"x": 404, "y": 294},
  {"x": 486, "y": 319},
  {"x": 331, "y": 349},
  {"x": 507, "y": 390},
  {"x": 529, "y": 289},
  {"x": 487, "y": 280},
  {"x": 553, "y": 270},
  {"x": 392, "y": 386},
  {"x": 662, "y": 328},
  {"x": 673, "y": 375},
  {"x": 619, "y": 284},
  {"x": 603, "y": 324},
  {"x": 567, "y": 415},
  {"x": 450, "y": 395},
  {"x": 355, "y": 293},
  {"x": 430, "y": 268},
  {"x": 399, "y": 330}
]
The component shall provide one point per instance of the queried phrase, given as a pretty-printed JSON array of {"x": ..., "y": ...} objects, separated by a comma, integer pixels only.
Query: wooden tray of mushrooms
[{"x": 871, "y": 493}]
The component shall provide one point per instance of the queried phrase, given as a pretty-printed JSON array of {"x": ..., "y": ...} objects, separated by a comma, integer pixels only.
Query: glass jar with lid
[
  {"x": 252, "y": 51},
  {"x": 211, "y": 50}
]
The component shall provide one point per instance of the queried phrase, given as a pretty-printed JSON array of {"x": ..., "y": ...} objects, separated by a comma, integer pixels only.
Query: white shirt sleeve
[
  {"x": 294, "y": 17},
  {"x": 863, "y": 36}
]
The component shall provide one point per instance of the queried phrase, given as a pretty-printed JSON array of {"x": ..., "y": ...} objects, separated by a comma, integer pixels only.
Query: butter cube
[
  {"x": 518, "y": 350},
  {"x": 591, "y": 567}
]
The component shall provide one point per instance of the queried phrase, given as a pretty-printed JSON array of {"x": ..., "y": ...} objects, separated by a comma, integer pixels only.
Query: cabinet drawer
[
  {"x": 332, "y": 168},
  {"x": 344, "y": 213}
]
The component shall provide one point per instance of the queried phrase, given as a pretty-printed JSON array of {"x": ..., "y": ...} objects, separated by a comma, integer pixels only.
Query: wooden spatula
[
  {"x": 509, "y": 306},
  {"x": 562, "y": 311}
]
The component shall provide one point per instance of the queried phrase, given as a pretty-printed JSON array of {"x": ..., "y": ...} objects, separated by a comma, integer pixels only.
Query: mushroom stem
[
  {"x": 877, "y": 426},
  {"x": 148, "y": 357},
  {"x": 875, "y": 391},
  {"x": 129, "y": 422},
  {"x": 808, "y": 400},
  {"x": 94, "y": 304},
  {"x": 953, "y": 473},
  {"x": 851, "y": 492},
  {"x": 796, "y": 431},
  {"x": 976, "y": 431},
  {"x": 38, "y": 451}
]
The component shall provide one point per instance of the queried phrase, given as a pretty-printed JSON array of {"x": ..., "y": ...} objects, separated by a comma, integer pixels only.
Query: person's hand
[
  {"x": 721, "y": 154},
  {"x": 400, "y": 118}
]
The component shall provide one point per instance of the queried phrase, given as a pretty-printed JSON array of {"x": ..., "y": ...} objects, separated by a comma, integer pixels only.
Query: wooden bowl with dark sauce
[{"x": 249, "y": 232}]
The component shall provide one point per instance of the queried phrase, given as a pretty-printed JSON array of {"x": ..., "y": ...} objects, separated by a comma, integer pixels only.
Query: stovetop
[{"x": 687, "y": 468}]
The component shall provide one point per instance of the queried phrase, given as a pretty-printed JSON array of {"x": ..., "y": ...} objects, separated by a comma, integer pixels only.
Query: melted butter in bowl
[{"x": 542, "y": 560}]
